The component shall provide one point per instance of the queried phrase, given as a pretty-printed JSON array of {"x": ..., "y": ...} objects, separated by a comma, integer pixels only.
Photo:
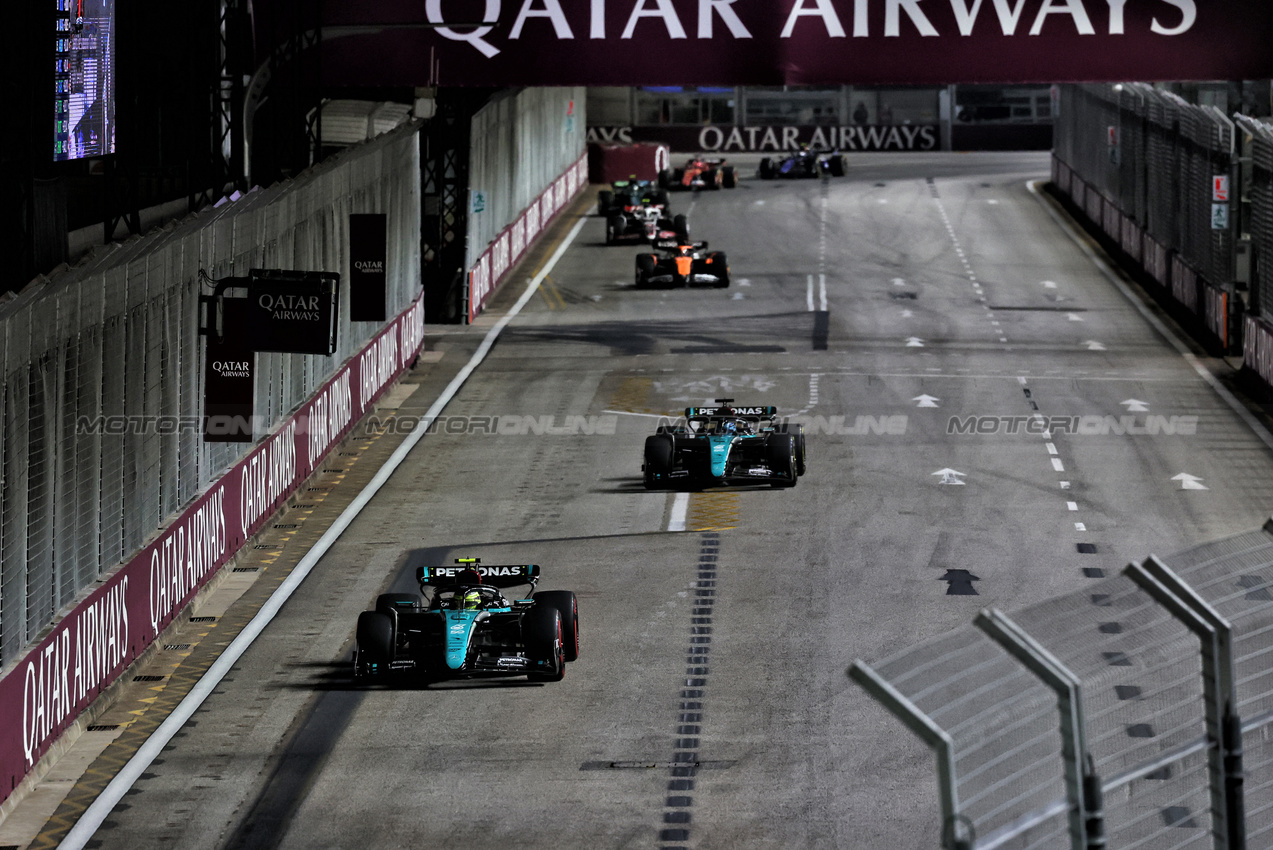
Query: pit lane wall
[
  {"x": 78, "y": 642},
  {"x": 525, "y": 153}
]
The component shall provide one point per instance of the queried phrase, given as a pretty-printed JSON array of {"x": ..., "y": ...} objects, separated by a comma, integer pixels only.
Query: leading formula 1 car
[
  {"x": 462, "y": 626},
  {"x": 699, "y": 173},
  {"x": 804, "y": 163},
  {"x": 725, "y": 445},
  {"x": 682, "y": 264}
]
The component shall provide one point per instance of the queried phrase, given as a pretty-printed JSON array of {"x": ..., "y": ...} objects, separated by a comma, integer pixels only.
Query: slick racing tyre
[
  {"x": 767, "y": 171},
  {"x": 658, "y": 459},
  {"x": 541, "y": 632},
  {"x": 800, "y": 450},
  {"x": 665, "y": 178},
  {"x": 682, "y": 227},
  {"x": 728, "y": 177},
  {"x": 605, "y": 200},
  {"x": 614, "y": 228},
  {"x": 838, "y": 166},
  {"x": 781, "y": 452},
  {"x": 644, "y": 268},
  {"x": 718, "y": 262},
  {"x": 568, "y": 607},
  {"x": 711, "y": 178},
  {"x": 373, "y": 645}
]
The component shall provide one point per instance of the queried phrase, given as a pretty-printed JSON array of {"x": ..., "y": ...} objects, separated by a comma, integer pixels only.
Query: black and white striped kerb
[{"x": 685, "y": 755}]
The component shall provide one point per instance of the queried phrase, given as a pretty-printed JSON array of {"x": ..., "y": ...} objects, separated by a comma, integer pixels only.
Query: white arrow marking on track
[
  {"x": 1074, "y": 317},
  {"x": 1093, "y": 345},
  {"x": 914, "y": 342},
  {"x": 926, "y": 401},
  {"x": 1189, "y": 482},
  {"x": 1047, "y": 284},
  {"x": 1134, "y": 406},
  {"x": 948, "y": 476}
]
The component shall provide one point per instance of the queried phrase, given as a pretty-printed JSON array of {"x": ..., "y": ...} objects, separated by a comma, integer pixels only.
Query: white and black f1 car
[
  {"x": 805, "y": 163},
  {"x": 725, "y": 445},
  {"x": 682, "y": 264},
  {"x": 464, "y": 627},
  {"x": 646, "y": 224}
]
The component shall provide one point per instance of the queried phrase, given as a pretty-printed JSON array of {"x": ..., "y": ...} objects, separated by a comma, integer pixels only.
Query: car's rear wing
[
  {"x": 766, "y": 412},
  {"x": 506, "y": 575},
  {"x": 673, "y": 244}
]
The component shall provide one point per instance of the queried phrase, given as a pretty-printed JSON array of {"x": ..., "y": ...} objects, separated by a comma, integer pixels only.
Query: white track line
[
  {"x": 680, "y": 507},
  {"x": 1203, "y": 372},
  {"x": 88, "y": 824},
  {"x": 809, "y": 293},
  {"x": 822, "y": 291}
]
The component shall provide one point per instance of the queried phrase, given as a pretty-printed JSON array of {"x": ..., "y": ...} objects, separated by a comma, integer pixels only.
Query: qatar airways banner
[
  {"x": 785, "y": 42},
  {"x": 44, "y": 693},
  {"x": 507, "y": 248},
  {"x": 778, "y": 139}
]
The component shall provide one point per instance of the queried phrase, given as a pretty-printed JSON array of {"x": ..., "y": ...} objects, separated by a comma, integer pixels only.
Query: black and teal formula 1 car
[
  {"x": 462, "y": 626},
  {"x": 725, "y": 445}
]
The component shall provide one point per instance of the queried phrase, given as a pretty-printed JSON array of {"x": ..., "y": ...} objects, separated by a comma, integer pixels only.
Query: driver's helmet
[
  {"x": 471, "y": 600},
  {"x": 731, "y": 427}
]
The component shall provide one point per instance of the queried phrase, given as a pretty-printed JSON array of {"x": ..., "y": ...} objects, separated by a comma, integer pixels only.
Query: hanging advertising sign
[
  {"x": 229, "y": 384},
  {"x": 784, "y": 42},
  {"x": 367, "y": 262},
  {"x": 777, "y": 139},
  {"x": 292, "y": 311}
]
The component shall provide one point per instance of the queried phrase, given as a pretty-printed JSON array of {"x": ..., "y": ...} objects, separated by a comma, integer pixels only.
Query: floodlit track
[{"x": 921, "y": 313}]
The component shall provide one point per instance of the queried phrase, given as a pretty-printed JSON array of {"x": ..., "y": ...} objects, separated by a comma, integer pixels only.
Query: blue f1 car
[
  {"x": 466, "y": 628},
  {"x": 805, "y": 163},
  {"x": 725, "y": 445}
]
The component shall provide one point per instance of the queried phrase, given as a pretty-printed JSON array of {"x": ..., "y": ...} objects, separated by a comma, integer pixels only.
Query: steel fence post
[
  {"x": 1049, "y": 669},
  {"x": 937, "y": 739},
  {"x": 1215, "y": 635}
]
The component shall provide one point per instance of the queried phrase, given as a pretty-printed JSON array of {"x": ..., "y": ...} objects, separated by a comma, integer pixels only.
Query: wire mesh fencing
[
  {"x": 1138, "y": 711},
  {"x": 101, "y": 406}
]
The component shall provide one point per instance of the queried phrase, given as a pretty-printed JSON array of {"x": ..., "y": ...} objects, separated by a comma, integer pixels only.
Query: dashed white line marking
[
  {"x": 1074, "y": 506},
  {"x": 1021, "y": 380},
  {"x": 1078, "y": 526},
  {"x": 822, "y": 292},
  {"x": 1051, "y": 448},
  {"x": 809, "y": 293},
  {"x": 1057, "y": 465},
  {"x": 1065, "y": 485}
]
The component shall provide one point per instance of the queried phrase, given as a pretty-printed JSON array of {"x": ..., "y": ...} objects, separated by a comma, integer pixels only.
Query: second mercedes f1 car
[
  {"x": 462, "y": 626},
  {"x": 682, "y": 264},
  {"x": 725, "y": 445}
]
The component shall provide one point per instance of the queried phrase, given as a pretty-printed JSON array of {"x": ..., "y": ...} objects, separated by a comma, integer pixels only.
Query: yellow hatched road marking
[{"x": 712, "y": 511}]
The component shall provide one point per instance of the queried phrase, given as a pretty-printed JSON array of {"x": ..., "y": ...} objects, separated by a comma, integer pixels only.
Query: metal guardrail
[{"x": 1137, "y": 713}]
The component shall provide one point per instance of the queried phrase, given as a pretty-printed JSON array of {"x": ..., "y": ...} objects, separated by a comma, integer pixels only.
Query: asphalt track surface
[{"x": 709, "y": 706}]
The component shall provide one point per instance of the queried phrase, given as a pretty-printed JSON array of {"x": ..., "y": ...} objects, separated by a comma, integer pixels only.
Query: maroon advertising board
[
  {"x": 88, "y": 649},
  {"x": 784, "y": 42}
]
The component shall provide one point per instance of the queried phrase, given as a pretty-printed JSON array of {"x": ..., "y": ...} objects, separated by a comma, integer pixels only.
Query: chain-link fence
[
  {"x": 101, "y": 400},
  {"x": 1124, "y": 711},
  {"x": 1256, "y": 217}
]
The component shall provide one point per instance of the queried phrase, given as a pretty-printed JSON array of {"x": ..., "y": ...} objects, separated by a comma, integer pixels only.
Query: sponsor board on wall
[
  {"x": 777, "y": 139},
  {"x": 292, "y": 311},
  {"x": 368, "y": 241},
  {"x": 785, "y": 42},
  {"x": 85, "y": 652},
  {"x": 229, "y": 385},
  {"x": 507, "y": 248}
]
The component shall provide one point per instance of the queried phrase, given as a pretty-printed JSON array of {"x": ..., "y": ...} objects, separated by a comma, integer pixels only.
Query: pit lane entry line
[{"x": 96, "y": 813}]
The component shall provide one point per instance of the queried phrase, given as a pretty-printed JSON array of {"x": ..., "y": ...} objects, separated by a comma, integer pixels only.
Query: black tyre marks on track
[{"x": 685, "y": 755}]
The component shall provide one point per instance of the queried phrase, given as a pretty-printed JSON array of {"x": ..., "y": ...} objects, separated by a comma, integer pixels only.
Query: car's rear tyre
[
  {"x": 658, "y": 459},
  {"x": 781, "y": 452},
  {"x": 720, "y": 267},
  {"x": 678, "y": 177},
  {"x": 682, "y": 227},
  {"x": 541, "y": 632},
  {"x": 766, "y": 169},
  {"x": 728, "y": 177},
  {"x": 614, "y": 227},
  {"x": 644, "y": 268},
  {"x": 838, "y": 165},
  {"x": 800, "y": 450},
  {"x": 711, "y": 179},
  {"x": 373, "y": 644},
  {"x": 605, "y": 200},
  {"x": 568, "y": 607},
  {"x": 665, "y": 178}
]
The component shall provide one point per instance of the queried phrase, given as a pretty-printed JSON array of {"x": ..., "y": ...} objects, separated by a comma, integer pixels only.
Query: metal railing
[{"x": 1134, "y": 714}]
